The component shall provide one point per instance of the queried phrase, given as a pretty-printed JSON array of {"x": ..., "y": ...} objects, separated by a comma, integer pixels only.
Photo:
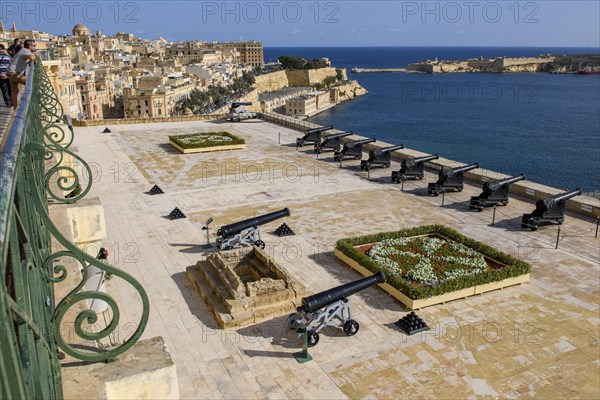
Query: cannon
[
  {"x": 332, "y": 142},
  {"x": 322, "y": 309},
  {"x": 246, "y": 233},
  {"x": 237, "y": 112},
  {"x": 312, "y": 135},
  {"x": 450, "y": 179},
  {"x": 494, "y": 193},
  {"x": 550, "y": 209},
  {"x": 352, "y": 149},
  {"x": 412, "y": 168},
  {"x": 238, "y": 104},
  {"x": 379, "y": 157}
]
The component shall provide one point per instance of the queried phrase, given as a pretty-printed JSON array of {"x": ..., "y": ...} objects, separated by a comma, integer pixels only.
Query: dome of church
[{"x": 80, "y": 30}]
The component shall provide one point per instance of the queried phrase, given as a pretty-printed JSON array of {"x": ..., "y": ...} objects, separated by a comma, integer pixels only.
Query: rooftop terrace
[{"x": 537, "y": 339}]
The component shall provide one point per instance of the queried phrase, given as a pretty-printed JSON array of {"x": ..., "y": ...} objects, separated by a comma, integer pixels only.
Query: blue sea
[{"x": 542, "y": 125}]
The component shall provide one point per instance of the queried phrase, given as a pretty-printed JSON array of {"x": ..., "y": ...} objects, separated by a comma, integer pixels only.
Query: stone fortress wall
[
  {"x": 280, "y": 80},
  {"x": 499, "y": 64}
]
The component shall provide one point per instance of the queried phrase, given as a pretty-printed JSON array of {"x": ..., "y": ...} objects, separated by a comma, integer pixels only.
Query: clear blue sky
[{"x": 326, "y": 23}]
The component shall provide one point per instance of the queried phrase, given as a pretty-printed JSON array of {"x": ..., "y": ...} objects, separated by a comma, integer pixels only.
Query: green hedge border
[
  {"x": 235, "y": 140},
  {"x": 512, "y": 269}
]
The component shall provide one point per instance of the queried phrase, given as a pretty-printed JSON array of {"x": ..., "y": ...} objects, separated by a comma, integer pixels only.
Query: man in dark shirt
[
  {"x": 15, "y": 47},
  {"x": 17, "y": 67},
  {"x": 5, "y": 60}
]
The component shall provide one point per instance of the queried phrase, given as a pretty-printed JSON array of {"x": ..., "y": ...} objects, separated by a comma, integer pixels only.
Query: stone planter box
[
  {"x": 208, "y": 149},
  {"x": 420, "y": 303}
]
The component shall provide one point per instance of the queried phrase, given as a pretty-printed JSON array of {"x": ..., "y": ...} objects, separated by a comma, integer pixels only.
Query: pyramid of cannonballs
[
  {"x": 156, "y": 190},
  {"x": 284, "y": 230},
  {"x": 106, "y": 130},
  {"x": 411, "y": 323},
  {"x": 176, "y": 214}
]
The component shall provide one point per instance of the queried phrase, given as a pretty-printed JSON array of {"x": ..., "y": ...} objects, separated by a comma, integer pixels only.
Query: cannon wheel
[
  {"x": 421, "y": 178},
  {"x": 357, "y": 157},
  {"x": 260, "y": 243},
  {"x": 533, "y": 226},
  {"x": 312, "y": 338},
  {"x": 300, "y": 142},
  {"x": 388, "y": 165},
  {"x": 228, "y": 248},
  {"x": 560, "y": 221},
  {"x": 290, "y": 322},
  {"x": 436, "y": 194},
  {"x": 504, "y": 202},
  {"x": 460, "y": 188},
  {"x": 351, "y": 327},
  {"x": 317, "y": 150}
]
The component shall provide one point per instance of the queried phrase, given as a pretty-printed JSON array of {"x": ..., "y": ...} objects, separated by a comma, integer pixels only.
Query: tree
[
  {"x": 292, "y": 62},
  {"x": 314, "y": 63},
  {"x": 217, "y": 95},
  {"x": 329, "y": 81}
]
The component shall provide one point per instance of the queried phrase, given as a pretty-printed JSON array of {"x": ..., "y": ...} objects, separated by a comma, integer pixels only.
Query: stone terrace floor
[{"x": 540, "y": 339}]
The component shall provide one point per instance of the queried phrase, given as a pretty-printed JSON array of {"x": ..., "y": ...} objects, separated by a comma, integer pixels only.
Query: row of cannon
[{"x": 493, "y": 193}]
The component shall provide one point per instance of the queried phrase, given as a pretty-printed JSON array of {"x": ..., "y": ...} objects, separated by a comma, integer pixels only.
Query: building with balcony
[
  {"x": 250, "y": 53},
  {"x": 308, "y": 104},
  {"x": 157, "y": 97}
]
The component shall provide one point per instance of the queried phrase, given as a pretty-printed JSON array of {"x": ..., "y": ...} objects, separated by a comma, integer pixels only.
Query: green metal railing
[{"x": 36, "y": 163}]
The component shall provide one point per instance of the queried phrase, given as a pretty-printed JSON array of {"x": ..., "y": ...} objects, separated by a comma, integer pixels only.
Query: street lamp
[{"x": 205, "y": 228}]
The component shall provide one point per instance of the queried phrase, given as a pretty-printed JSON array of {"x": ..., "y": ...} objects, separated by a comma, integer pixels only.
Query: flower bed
[
  {"x": 429, "y": 261},
  {"x": 207, "y": 141}
]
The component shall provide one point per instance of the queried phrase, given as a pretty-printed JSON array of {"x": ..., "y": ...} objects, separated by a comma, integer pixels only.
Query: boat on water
[{"x": 588, "y": 71}]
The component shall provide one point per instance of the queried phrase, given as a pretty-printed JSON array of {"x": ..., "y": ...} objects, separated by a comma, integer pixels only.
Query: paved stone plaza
[{"x": 540, "y": 339}]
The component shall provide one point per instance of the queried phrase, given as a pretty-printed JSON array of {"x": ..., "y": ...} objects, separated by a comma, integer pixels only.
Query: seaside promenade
[{"x": 537, "y": 339}]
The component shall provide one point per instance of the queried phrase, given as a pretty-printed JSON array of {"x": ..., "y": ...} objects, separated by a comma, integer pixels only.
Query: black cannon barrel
[
  {"x": 507, "y": 181},
  {"x": 410, "y": 162},
  {"x": 562, "y": 196},
  {"x": 320, "y": 300},
  {"x": 318, "y": 130},
  {"x": 235, "y": 228},
  {"x": 338, "y": 135},
  {"x": 363, "y": 141},
  {"x": 424, "y": 158},
  {"x": 243, "y": 103},
  {"x": 391, "y": 148},
  {"x": 464, "y": 168}
]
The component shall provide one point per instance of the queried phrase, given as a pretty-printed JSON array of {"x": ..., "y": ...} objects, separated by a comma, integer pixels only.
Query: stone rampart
[
  {"x": 309, "y": 77},
  {"x": 348, "y": 91},
  {"x": 271, "y": 82}
]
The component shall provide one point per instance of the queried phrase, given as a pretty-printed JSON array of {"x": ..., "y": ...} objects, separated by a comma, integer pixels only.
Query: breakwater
[
  {"x": 357, "y": 70},
  {"x": 583, "y": 205}
]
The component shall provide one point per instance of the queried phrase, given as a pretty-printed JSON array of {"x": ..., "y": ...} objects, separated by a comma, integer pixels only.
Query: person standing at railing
[
  {"x": 17, "y": 68},
  {"x": 5, "y": 60}
]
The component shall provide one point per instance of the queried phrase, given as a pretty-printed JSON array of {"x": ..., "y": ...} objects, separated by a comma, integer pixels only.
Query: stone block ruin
[{"x": 244, "y": 286}]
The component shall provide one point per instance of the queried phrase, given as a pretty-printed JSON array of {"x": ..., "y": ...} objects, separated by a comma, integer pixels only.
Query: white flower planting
[
  {"x": 423, "y": 254},
  {"x": 201, "y": 138}
]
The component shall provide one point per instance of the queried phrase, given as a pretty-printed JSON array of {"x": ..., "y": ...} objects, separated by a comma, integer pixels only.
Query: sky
[{"x": 548, "y": 23}]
